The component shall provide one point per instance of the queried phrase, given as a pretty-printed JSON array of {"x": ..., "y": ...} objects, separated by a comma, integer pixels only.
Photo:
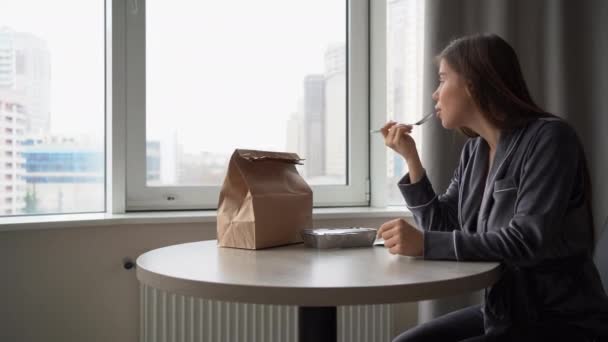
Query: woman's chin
[
  {"x": 443, "y": 121},
  {"x": 446, "y": 124}
]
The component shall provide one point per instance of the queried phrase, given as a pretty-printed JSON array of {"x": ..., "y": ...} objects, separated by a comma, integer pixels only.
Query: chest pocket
[
  {"x": 504, "y": 185},
  {"x": 503, "y": 198}
]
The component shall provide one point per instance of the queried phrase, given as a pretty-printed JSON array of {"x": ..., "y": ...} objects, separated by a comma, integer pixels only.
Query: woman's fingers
[
  {"x": 384, "y": 227},
  {"x": 385, "y": 129},
  {"x": 389, "y": 232},
  {"x": 395, "y": 249},
  {"x": 392, "y": 242},
  {"x": 390, "y": 137},
  {"x": 402, "y": 238},
  {"x": 406, "y": 127},
  {"x": 397, "y": 131},
  {"x": 398, "y": 134},
  {"x": 389, "y": 126}
]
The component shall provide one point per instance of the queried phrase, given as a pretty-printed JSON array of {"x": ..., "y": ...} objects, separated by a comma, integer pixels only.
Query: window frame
[
  {"x": 128, "y": 137},
  {"x": 28, "y": 62},
  {"x": 370, "y": 156}
]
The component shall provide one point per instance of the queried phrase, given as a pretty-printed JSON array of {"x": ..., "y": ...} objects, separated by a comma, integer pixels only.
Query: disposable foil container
[{"x": 338, "y": 237}]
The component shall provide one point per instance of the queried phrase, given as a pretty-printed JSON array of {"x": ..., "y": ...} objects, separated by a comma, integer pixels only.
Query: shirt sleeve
[
  {"x": 550, "y": 170},
  {"x": 434, "y": 212}
]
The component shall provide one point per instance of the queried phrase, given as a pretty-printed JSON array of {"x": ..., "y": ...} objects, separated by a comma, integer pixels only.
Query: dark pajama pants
[{"x": 466, "y": 325}]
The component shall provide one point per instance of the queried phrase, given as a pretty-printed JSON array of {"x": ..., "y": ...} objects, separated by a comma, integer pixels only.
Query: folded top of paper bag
[{"x": 252, "y": 155}]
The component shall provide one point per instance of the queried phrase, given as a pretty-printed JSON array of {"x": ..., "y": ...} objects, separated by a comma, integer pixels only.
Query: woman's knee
[
  {"x": 420, "y": 333},
  {"x": 457, "y": 325}
]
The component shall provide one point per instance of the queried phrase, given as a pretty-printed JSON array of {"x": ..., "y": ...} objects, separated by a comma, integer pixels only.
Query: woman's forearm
[{"x": 415, "y": 168}]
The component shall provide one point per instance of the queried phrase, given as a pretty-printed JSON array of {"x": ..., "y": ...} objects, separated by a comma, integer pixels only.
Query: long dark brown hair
[
  {"x": 493, "y": 76},
  {"x": 491, "y": 70}
]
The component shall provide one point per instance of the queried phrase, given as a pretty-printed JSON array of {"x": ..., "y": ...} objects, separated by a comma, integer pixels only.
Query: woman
[{"x": 520, "y": 195}]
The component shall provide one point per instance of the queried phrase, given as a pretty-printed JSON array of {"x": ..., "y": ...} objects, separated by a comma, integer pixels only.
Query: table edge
[{"x": 326, "y": 296}]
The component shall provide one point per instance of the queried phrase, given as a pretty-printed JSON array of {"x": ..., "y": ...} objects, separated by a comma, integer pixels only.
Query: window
[
  {"x": 405, "y": 36},
  {"x": 201, "y": 78},
  {"x": 224, "y": 75},
  {"x": 43, "y": 117}
]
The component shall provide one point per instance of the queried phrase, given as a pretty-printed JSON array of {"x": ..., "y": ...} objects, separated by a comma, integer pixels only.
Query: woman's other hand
[
  {"x": 397, "y": 137},
  {"x": 402, "y": 238}
]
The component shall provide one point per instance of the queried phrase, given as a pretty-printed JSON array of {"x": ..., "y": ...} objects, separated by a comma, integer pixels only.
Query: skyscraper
[
  {"x": 12, "y": 169},
  {"x": 335, "y": 112},
  {"x": 25, "y": 72},
  {"x": 7, "y": 59},
  {"x": 152, "y": 162},
  {"x": 314, "y": 121},
  {"x": 41, "y": 172}
]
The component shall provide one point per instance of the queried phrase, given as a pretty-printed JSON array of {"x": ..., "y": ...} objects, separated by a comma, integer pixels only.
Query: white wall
[{"x": 70, "y": 285}]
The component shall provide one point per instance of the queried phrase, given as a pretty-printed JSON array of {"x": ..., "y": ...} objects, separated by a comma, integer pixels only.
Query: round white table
[{"x": 315, "y": 280}]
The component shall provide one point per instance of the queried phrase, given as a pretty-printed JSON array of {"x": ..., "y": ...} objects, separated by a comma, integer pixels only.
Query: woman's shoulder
[
  {"x": 552, "y": 128},
  {"x": 550, "y": 136}
]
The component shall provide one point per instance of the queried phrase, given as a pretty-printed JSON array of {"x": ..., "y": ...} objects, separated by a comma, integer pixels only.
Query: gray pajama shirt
[{"x": 530, "y": 213}]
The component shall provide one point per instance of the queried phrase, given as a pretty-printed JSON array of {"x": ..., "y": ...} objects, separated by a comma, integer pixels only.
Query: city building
[
  {"x": 318, "y": 131},
  {"x": 25, "y": 72},
  {"x": 335, "y": 129},
  {"x": 8, "y": 70},
  {"x": 314, "y": 124},
  {"x": 24, "y": 110},
  {"x": 63, "y": 175},
  {"x": 12, "y": 163},
  {"x": 153, "y": 162}
]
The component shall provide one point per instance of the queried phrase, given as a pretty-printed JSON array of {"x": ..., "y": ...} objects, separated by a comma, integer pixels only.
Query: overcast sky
[
  {"x": 74, "y": 33},
  {"x": 221, "y": 74},
  {"x": 230, "y": 73}
]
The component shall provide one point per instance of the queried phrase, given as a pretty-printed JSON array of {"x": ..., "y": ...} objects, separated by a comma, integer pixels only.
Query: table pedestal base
[{"x": 318, "y": 324}]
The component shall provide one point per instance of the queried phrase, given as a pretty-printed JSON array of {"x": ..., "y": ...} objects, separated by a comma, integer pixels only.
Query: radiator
[{"x": 168, "y": 317}]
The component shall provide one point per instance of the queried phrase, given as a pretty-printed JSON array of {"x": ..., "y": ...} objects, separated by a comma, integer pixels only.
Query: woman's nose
[{"x": 435, "y": 96}]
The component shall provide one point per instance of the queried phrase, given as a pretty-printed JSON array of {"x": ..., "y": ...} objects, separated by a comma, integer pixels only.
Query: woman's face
[{"x": 455, "y": 106}]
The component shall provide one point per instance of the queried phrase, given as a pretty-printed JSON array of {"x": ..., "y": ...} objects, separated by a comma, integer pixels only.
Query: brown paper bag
[{"x": 264, "y": 202}]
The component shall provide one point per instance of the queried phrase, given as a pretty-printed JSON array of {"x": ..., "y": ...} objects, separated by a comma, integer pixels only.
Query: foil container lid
[{"x": 339, "y": 237}]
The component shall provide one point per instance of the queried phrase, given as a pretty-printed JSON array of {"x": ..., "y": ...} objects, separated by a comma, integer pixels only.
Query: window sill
[{"x": 164, "y": 217}]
